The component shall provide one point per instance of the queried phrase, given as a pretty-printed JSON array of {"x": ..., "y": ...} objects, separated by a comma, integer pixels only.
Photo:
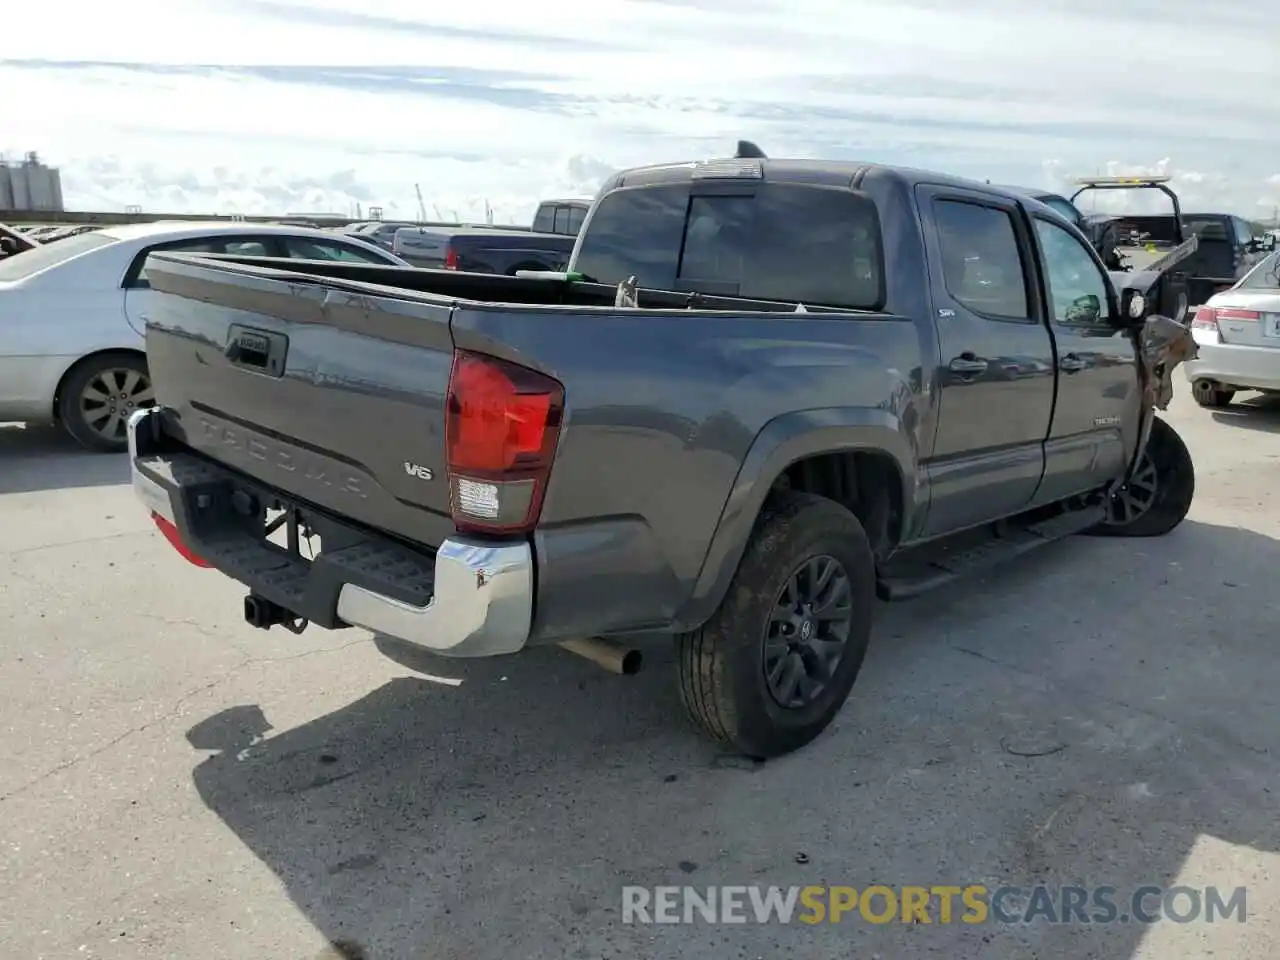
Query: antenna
[{"x": 748, "y": 150}]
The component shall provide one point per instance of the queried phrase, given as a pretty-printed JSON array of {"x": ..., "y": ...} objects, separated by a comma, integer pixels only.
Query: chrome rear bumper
[{"x": 470, "y": 598}]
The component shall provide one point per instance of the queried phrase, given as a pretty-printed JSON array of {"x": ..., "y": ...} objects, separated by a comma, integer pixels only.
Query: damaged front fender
[{"x": 1162, "y": 343}]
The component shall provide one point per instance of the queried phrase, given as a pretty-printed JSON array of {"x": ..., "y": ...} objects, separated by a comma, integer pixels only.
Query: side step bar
[{"x": 931, "y": 566}]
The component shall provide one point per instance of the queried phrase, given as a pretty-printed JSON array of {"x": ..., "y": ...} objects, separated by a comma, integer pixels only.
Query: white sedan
[
  {"x": 1238, "y": 335},
  {"x": 73, "y": 316}
]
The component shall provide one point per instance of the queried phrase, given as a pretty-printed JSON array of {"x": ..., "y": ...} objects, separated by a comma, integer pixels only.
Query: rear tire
[
  {"x": 1160, "y": 492},
  {"x": 1208, "y": 394},
  {"x": 734, "y": 670},
  {"x": 97, "y": 397}
]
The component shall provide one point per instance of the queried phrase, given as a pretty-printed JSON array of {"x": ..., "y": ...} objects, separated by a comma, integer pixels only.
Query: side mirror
[
  {"x": 1134, "y": 306},
  {"x": 1086, "y": 309}
]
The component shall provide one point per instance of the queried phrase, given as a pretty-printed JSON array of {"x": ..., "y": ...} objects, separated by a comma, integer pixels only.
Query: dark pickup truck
[
  {"x": 766, "y": 392},
  {"x": 474, "y": 249}
]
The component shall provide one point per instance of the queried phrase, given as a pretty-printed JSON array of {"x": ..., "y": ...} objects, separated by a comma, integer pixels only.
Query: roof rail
[{"x": 748, "y": 150}]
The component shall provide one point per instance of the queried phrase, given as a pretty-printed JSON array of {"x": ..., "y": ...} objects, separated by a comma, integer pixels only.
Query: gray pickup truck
[{"x": 765, "y": 393}]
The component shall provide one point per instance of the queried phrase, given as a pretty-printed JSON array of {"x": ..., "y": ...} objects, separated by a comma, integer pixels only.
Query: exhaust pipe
[{"x": 613, "y": 656}]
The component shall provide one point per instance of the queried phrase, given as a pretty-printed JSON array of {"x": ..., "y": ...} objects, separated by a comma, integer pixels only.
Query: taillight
[
  {"x": 450, "y": 258},
  {"x": 502, "y": 423},
  {"x": 1210, "y": 318},
  {"x": 175, "y": 540}
]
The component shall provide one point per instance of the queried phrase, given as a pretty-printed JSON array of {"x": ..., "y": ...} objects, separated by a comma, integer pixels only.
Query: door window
[
  {"x": 981, "y": 261},
  {"x": 303, "y": 248},
  {"x": 138, "y": 277},
  {"x": 1077, "y": 287},
  {"x": 247, "y": 248}
]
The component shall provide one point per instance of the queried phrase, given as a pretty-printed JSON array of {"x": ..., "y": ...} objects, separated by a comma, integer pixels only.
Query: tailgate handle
[{"x": 257, "y": 350}]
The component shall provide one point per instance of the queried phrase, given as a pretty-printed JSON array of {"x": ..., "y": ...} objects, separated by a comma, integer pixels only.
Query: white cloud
[{"x": 193, "y": 105}]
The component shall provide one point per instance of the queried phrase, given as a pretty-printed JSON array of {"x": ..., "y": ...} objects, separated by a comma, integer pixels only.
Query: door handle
[
  {"x": 968, "y": 364},
  {"x": 1072, "y": 363}
]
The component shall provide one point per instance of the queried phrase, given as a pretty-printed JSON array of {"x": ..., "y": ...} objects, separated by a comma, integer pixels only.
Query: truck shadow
[
  {"x": 1258, "y": 412},
  {"x": 1102, "y": 714},
  {"x": 45, "y": 458}
]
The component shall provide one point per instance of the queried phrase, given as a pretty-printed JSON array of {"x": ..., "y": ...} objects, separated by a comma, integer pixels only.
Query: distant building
[{"x": 30, "y": 185}]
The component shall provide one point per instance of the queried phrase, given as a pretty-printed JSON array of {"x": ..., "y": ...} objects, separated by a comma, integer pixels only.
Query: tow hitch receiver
[{"x": 264, "y": 614}]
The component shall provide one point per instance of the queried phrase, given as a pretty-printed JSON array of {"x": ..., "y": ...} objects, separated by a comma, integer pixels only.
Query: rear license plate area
[
  {"x": 1271, "y": 325},
  {"x": 280, "y": 524}
]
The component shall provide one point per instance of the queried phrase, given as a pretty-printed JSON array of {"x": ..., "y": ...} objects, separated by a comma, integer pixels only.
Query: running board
[{"x": 933, "y": 565}]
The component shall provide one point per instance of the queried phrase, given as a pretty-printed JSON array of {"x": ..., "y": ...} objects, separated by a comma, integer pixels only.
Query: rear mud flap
[{"x": 1163, "y": 343}]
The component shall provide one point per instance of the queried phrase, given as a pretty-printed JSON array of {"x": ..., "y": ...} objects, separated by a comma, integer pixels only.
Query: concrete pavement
[{"x": 173, "y": 783}]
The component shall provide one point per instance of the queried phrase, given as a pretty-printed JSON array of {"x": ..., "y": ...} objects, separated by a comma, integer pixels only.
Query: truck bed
[{"x": 338, "y": 401}]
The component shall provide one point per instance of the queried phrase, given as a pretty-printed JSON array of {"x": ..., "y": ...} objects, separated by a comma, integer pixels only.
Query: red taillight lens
[
  {"x": 1210, "y": 318},
  {"x": 1206, "y": 318},
  {"x": 450, "y": 259},
  {"x": 502, "y": 424},
  {"x": 175, "y": 540}
]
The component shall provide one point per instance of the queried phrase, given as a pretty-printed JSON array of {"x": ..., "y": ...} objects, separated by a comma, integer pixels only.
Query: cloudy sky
[{"x": 288, "y": 106}]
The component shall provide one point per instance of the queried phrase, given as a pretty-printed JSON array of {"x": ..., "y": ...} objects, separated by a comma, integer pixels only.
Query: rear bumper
[
  {"x": 1233, "y": 365},
  {"x": 468, "y": 598}
]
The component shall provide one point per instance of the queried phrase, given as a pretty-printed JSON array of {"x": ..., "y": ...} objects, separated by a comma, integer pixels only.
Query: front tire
[
  {"x": 1158, "y": 496},
  {"x": 98, "y": 396},
  {"x": 776, "y": 662}
]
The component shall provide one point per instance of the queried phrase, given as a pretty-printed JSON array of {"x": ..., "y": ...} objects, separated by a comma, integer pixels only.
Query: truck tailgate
[{"x": 272, "y": 372}]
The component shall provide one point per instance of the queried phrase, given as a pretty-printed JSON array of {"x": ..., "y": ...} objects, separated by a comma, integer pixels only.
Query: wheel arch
[
  {"x": 862, "y": 458},
  {"x": 80, "y": 364}
]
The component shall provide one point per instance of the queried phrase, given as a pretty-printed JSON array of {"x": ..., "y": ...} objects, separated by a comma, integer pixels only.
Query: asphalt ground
[{"x": 174, "y": 783}]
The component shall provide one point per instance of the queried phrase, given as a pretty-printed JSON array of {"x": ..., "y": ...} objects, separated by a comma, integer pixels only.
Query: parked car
[
  {"x": 482, "y": 249},
  {"x": 1238, "y": 336},
  {"x": 811, "y": 396},
  {"x": 72, "y": 314}
]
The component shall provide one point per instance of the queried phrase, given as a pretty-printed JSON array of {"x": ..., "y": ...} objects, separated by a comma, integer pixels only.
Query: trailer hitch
[{"x": 264, "y": 614}]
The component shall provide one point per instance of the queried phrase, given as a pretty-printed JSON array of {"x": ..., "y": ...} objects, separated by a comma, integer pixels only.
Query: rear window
[
  {"x": 806, "y": 244},
  {"x": 19, "y": 266},
  {"x": 1265, "y": 276},
  {"x": 1205, "y": 229},
  {"x": 544, "y": 220}
]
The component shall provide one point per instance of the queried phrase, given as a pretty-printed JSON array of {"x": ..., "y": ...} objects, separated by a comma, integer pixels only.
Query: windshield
[
  {"x": 1265, "y": 276},
  {"x": 19, "y": 266}
]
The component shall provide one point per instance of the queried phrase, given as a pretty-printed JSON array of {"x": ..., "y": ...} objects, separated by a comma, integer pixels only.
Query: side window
[
  {"x": 1077, "y": 287},
  {"x": 1244, "y": 232},
  {"x": 301, "y": 248},
  {"x": 561, "y": 223},
  {"x": 635, "y": 230},
  {"x": 576, "y": 216},
  {"x": 247, "y": 248},
  {"x": 981, "y": 260},
  {"x": 137, "y": 276}
]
